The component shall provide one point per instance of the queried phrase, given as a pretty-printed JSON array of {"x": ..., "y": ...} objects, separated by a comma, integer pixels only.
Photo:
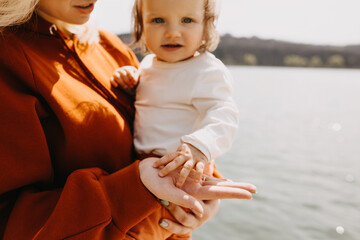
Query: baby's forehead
[{"x": 173, "y": 7}]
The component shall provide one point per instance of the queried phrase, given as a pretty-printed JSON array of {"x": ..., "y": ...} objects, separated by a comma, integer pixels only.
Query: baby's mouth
[{"x": 172, "y": 45}]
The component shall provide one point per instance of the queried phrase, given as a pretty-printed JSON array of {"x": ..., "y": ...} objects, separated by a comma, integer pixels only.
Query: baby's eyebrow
[
  {"x": 194, "y": 15},
  {"x": 151, "y": 17},
  {"x": 152, "y": 14}
]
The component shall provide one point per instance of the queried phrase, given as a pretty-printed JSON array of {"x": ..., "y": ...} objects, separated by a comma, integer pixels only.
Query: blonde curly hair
[
  {"x": 16, "y": 12},
  {"x": 211, "y": 36}
]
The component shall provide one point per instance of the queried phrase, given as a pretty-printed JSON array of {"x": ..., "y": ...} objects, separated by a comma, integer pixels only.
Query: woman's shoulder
[
  {"x": 7, "y": 35},
  {"x": 14, "y": 60},
  {"x": 11, "y": 45}
]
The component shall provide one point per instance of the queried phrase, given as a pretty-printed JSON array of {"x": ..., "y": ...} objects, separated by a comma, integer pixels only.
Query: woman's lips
[{"x": 86, "y": 9}]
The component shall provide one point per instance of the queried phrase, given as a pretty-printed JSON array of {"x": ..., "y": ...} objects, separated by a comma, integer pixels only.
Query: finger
[
  {"x": 118, "y": 79},
  {"x": 113, "y": 82},
  {"x": 132, "y": 79},
  {"x": 212, "y": 203},
  {"x": 164, "y": 188},
  {"x": 165, "y": 159},
  {"x": 217, "y": 192},
  {"x": 129, "y": 78},
  {"x": 185, "y": 200},
  {"x": 184, "y": 173},
  {"x": 131, "y": 69},
  {"x": 171, "y": 166},
  {"x": 221, "y": 183},
  {"x": 199, "y": 168},
  {"x": 211, "y": 207},
  {"x": 117, "y": 74},
  {"x": 185, "y": 218},
  {"x": 123, "y": 80},
  {"x": 174, "y": 227}
]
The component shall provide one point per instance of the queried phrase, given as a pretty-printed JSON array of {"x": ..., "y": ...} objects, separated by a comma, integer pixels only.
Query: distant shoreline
[{"x": 263, "y": 52}]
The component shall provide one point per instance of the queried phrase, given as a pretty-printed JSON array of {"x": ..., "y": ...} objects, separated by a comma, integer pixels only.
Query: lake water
[{"x": 299, "y": 143}]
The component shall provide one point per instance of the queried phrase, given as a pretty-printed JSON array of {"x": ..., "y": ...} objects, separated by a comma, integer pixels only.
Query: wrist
[
  {"x": 197, "y": 152},
  {"x": 197, "y": 145}
]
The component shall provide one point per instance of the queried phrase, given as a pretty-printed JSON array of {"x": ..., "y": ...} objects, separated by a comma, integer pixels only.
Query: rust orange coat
[{"x": 66, "y": 165}]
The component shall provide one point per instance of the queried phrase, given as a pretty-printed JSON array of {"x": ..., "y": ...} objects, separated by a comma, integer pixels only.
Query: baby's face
[{"x": 173, "y": 29}]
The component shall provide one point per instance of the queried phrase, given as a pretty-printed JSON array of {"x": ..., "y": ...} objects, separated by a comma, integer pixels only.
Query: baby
[{"x": 184, "y": 106}]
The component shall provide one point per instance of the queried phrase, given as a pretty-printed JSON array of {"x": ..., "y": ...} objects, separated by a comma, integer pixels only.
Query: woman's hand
[
  {"x": 212, "y": 188},
  {"x": 191, "y": 192},
  {"x": 164, "y": 187},
  {"x": 188, "y": 222}
]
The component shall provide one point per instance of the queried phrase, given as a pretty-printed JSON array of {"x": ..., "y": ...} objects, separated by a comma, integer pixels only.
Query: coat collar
[{"x": 37, "y": 24}]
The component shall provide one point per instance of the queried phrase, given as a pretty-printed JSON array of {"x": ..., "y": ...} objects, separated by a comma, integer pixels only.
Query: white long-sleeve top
[{"x": 189, "y": 101}]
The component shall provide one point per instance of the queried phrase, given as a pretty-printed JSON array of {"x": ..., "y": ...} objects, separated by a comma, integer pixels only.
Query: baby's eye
[
  {"x": 158, "y": 20},
  {"x": 187, "y": 20}
]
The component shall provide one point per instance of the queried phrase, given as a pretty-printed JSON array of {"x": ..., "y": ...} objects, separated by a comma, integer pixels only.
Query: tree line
[{"x": 262, "y": 52}]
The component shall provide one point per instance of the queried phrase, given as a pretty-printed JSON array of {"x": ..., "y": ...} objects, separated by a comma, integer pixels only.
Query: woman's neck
[{"x": 61, "y": 25}]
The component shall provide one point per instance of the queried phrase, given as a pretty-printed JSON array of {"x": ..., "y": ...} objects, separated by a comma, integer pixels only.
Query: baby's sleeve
[{"x": 213, "y": 99}]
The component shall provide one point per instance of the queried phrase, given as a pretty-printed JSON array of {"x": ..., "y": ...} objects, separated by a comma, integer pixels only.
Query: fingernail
[
  {"x": 161, "y": 174},
  {"x": 198, "y": 213},
  {"x": 165, "y": 203},
  {"x": 197, "y": 181},
  {"x": 113, "y": 83},
  {"x": 164, "y": 224}
]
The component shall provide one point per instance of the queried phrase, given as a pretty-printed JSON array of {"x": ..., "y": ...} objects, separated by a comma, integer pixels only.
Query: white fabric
[{"x": 189, "y": 101}]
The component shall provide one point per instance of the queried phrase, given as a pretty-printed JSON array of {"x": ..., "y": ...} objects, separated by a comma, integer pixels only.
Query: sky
[{"x": 329, "y": 22}]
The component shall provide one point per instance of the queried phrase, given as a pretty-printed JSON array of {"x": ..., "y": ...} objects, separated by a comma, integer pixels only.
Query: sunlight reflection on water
[{"x": 298, "y": 141}]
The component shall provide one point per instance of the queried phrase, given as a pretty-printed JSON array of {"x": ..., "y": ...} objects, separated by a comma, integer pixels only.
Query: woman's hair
[
  {"x": 211, "y": 36},
  {"x": 15, "y": 12}
]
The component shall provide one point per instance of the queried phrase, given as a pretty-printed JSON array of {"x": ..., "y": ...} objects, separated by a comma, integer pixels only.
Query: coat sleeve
[
  {"x": 212, "y": 97},
  {"x": 91, "y": 205}
]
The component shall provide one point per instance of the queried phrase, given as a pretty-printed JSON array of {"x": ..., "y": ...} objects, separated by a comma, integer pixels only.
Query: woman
[{"x": 67, "y": 168}]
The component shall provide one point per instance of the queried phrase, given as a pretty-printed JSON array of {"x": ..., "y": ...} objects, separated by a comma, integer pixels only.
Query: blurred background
[{"x": 296, "y": 69}]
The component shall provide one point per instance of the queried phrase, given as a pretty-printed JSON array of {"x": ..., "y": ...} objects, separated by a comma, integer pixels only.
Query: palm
[{"x": 211, "y": 188}]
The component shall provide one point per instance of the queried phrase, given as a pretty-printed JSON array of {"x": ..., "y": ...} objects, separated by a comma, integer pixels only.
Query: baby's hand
[
  {"x": 186, "y": 156},
  {"x": 127, "y": 77}
]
